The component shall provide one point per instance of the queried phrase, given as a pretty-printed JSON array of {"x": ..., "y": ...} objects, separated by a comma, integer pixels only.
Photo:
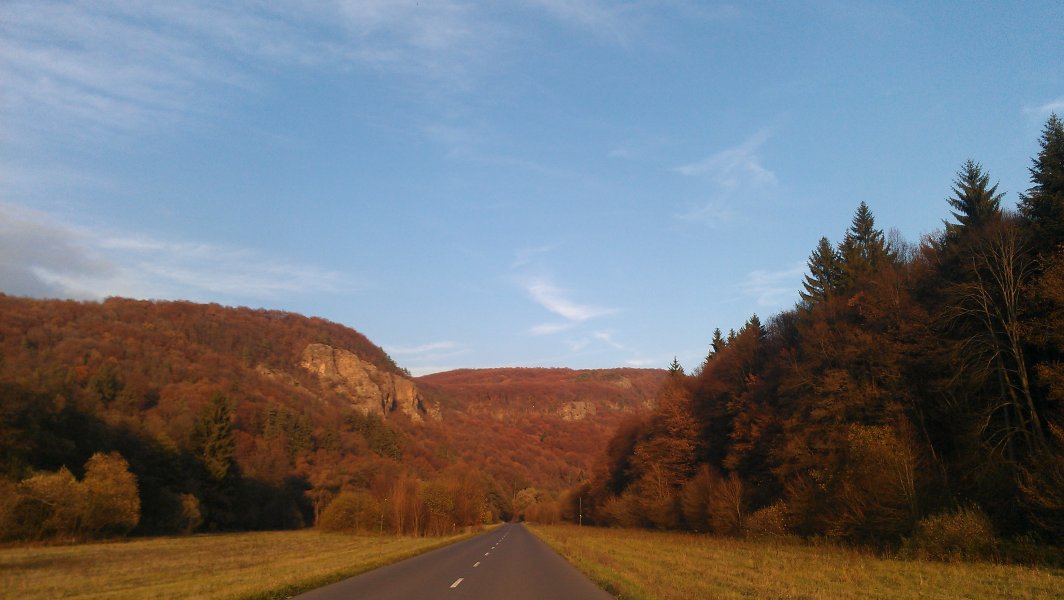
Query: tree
[
  {"x": 675, "y": 368},
  {"x": 974, "y": 201},
  {"x": 825, "y": 273},
  {"x": 1043, "y": 204},
  {"x": 112, "y": 503},
  {"x": 213, "y": 439},
  {"x": 987, "y": 313},
  {"x": 864, "y": 248}
]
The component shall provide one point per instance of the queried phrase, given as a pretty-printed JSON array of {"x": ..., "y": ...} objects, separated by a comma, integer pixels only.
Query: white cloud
[
  {"x": 556, "y": 300},
  {"x": 116, "y": 67},
  {"x": 45, "y": 257},
  {"x": 774, "y": 289},
  {"x": 1056, "y": 106},
  {"x": 736, "y": 174},
  {"x": 736, "y": 166}
]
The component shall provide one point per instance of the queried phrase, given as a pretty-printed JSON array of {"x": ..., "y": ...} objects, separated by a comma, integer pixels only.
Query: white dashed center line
[
  {"x": 476, "y": 564},
  {"x": 487, "y": 553},
  {"x": 457, "y": 582}
]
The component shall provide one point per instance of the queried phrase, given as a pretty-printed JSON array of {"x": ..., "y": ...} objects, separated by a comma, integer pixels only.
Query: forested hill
[
  {"x": 233, "y": 418},
  {"x": 915, "y": 392}
]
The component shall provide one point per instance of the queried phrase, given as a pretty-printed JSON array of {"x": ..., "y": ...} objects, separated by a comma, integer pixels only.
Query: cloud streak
[
  {"x": 111, "y": 67},
  {"x": 544, "y": 292},
  {"x": 1056, "y": 106},
  {"x": 773, "y": 289},
  {"x": 44, "y": 257},
  {"x": 735, "y": 166},
  {"x": 737, "y": 172}
]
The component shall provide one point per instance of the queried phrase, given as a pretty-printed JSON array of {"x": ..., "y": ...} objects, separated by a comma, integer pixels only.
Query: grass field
[
  {"x": 236, "y": 565},
  {"x": 641, "y": 564}
]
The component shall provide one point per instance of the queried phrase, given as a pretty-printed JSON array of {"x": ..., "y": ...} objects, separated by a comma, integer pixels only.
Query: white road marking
[
  {"x": 487, "y": 553},
  {"x": 456, "y": 583},
  {"x": 476, "y": 564}
]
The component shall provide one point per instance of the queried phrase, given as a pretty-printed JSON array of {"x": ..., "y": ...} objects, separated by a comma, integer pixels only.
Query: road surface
[{"x": 508, "y": 562}]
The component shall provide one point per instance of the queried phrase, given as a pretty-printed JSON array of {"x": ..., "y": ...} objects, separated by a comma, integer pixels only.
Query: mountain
[{"x": 304, "y": 409}]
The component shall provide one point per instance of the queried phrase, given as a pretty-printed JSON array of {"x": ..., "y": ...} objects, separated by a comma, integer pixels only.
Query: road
[{"x": 507, "y": 562}]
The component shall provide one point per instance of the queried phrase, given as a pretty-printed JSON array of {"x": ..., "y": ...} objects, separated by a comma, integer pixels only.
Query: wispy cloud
[
  {"x": 555, "y": 299},
  {"x": 735, "y": 173},
  {"x": 45, "y": 257},
  {"x": 544, "y": 292},
  {"x": 773, "y": 289},
  {"x": 115, "y": 67},
  {"x": 1056, "y": 106},
  {"x": 735, "y": 166}
]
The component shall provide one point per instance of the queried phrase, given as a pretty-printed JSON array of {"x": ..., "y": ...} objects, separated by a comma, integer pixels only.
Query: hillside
[
  {"x": 306, "y": 409},
  {"x": 537, "y": 427}
]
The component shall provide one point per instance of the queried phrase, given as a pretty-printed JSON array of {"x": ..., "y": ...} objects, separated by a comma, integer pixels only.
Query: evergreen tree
[
  {"x": 975, "y": 202},
  {"x": 718, "y": 342},
  {"x": 1043, "y": 204},
  {"x": 675, "y": 368},
  {"x": 864, "y": 249},
  {"x": 825, "y": 273},
  {"x": 213, "y": 439}
]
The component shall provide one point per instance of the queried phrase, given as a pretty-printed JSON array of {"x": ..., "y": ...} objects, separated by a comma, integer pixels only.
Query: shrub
[
  {"x": 965, "y": 534},
  {"x": 767, "y": 521},
  {"x": 191, "y": 516},
  {"x": 47, "y": 505},
  {"x": 727, "y": 506},
  {"x": 109, "y": 493},
  {"x": 351, "y": 511},
  {"x": 50, "y": 504}
]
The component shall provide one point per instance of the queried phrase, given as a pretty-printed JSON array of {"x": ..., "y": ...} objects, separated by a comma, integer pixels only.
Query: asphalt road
[{"x": 507, "y": 562}]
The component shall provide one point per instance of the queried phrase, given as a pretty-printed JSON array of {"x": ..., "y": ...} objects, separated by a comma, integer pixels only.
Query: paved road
[{"x": 507, "y": 562}]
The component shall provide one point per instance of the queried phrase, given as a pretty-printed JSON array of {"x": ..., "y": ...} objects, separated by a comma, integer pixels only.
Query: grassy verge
[
  {"x": 237, "y": 565},
  {"x": 643, "y": 564}
]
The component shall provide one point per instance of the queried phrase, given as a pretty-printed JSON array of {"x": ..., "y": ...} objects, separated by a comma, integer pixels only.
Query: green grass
[
  {"x": 644, "y": 564},
  {"x": 236, "y": 565}
]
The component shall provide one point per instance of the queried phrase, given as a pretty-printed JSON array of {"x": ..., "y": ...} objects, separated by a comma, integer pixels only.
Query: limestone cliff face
[
  {"x": 577, "y": 410},
  {"x": 370, "y": 389}
]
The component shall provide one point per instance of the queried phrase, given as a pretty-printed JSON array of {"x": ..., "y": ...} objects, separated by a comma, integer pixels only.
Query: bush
[
  {"x": 56, "y": 505},
  {"x": 768, "y": 521},
  {"x": 352, "y": 511},
  {"x": 965, "y": 534},
  {"x": 727, "y": 506},
  {"x": 109, "y": 493}
]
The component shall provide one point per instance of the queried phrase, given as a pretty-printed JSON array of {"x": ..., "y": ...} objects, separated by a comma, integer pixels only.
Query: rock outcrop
[{"x": 371, "y": 390}]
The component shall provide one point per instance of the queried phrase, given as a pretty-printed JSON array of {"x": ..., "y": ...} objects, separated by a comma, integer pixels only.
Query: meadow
[
  {"x": 230, "y": 566},
  {"x": 637, "y": 564}
]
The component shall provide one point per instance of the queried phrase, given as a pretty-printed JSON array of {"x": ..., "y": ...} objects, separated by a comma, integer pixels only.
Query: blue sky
[{"x": 576, "y": 183}]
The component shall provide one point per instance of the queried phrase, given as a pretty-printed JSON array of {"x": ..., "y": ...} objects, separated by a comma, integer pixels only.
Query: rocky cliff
[{"x": 370, "y": 389}]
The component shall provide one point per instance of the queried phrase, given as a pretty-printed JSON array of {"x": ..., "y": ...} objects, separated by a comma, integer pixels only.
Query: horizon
[{"x": 540, "y": 184}]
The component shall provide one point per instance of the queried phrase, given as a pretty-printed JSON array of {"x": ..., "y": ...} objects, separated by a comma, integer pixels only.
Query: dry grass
[
  {"x": 238, "y": 565},
  {"x": 642, "y": 564}
]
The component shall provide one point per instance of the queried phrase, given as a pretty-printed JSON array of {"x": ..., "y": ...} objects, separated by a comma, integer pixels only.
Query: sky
[{"x": 556, "y": 183}]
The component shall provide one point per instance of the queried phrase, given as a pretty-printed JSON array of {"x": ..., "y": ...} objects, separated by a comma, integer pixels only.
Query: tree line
[{"x": 913, "y": 393}]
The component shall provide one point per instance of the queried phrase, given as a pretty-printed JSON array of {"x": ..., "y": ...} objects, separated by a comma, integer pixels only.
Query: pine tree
[
  {"x": 864, "y": 249},
  {"x": 675, "y": 368},
  {"x": 976, "y": 203},
  {"x": 1043, "y": 204},
  {"x": 825, "y": 273},
  {"x": 715, "y": 346},
  {"x": 213, "y": 438}
]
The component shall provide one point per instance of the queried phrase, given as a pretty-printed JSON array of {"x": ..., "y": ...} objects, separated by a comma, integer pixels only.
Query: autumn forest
[{"x": 911, "y": 399}]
